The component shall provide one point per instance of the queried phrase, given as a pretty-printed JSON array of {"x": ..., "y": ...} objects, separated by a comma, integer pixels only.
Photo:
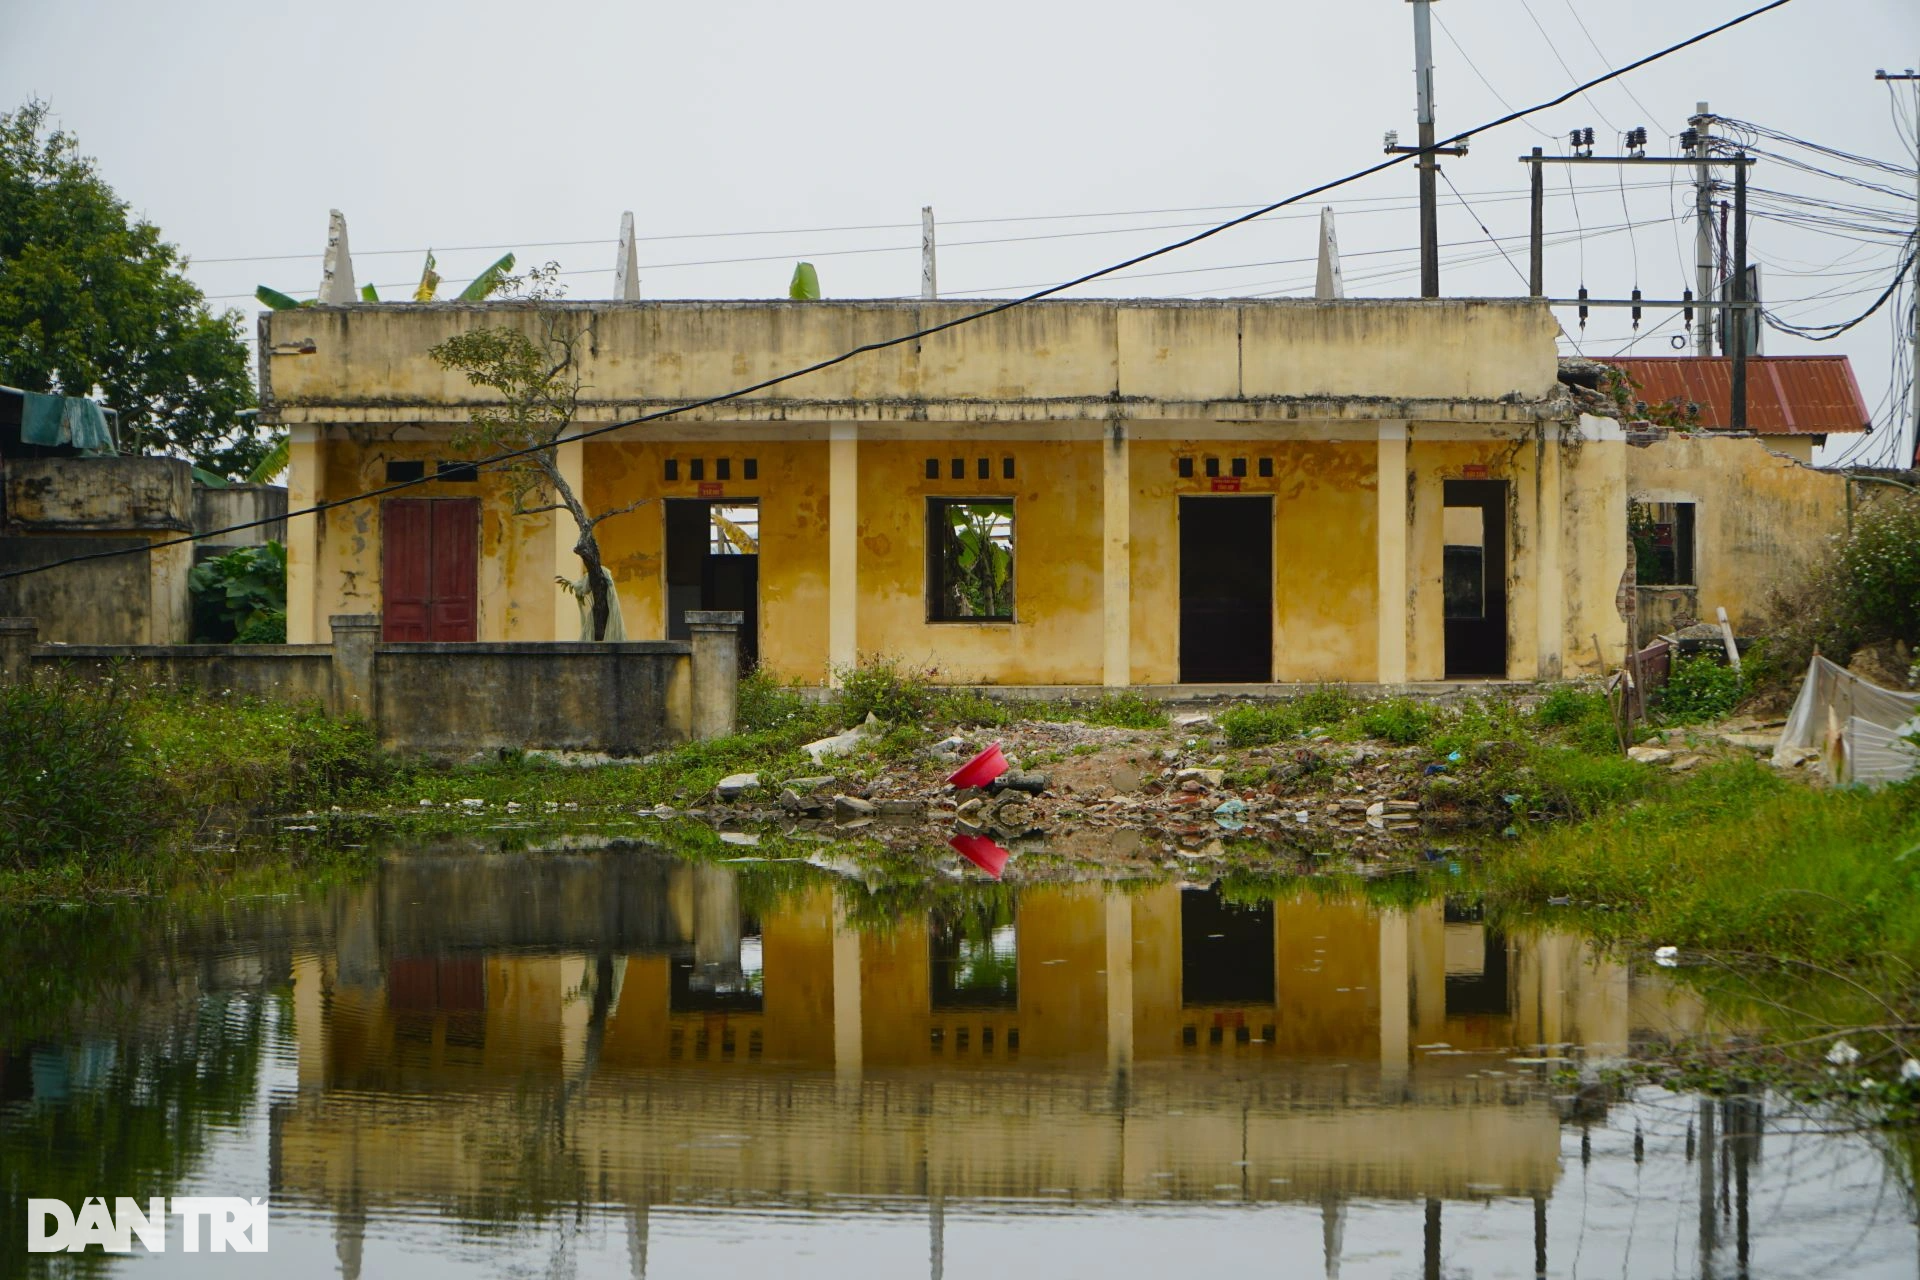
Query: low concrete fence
[{"x": 451, "y": 701}]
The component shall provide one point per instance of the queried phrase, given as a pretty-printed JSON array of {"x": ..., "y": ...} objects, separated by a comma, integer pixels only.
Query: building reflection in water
[{"x": 504, "y": 1037}]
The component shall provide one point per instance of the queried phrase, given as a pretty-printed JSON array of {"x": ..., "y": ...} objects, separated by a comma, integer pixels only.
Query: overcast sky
[{"x": 236, "y": 127}]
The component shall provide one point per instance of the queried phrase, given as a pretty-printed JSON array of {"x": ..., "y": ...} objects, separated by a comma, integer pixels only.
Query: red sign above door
[
  {"x": 709, "y": 489},
  {"x": 1225, "y": 484}
]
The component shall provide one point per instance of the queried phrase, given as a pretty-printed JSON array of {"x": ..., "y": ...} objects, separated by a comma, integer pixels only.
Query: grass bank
[
  {"x": 1736, "y": 859},
  {"x": 114, "y": 785}
]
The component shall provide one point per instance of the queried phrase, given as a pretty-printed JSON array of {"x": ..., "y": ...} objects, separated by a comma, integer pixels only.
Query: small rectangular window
[
  {"x": 983, "y": 470},
  {"x": 723, "y": 468},
  {"x": 1266, "y": 467},
  {"x": 403, "y": 472},
  {"x": 1663, "y": 543},
  {"x": 959, "y": 470},
  {"x": 1240, "y": 466},
  {"x": 673, "y": 469},
  {"x": 1006, "y": 468},
  {"x": 1186, "y": 468},
  {"x": 1213, "y": 466},
  {"x": 969, "y": 560},
  {"x": 696, "y": 468},
  {"x": 933, "y": 468},
  {"x": 751, "y": 468},
  {"x": 456, "y": 472}
]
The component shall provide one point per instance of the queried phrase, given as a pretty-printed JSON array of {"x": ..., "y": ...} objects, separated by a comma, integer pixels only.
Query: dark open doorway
[
  {"x": 1226, "y": 590},
  {"x": 713, "y": 562},
  {"x": 1474, "y": 577}
]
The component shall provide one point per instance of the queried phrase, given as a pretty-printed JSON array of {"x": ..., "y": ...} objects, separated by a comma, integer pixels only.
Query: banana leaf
[
  {"x": 429, "y": 281},
  {"x": 273, "y": 463},
  {"x": 277, "y": 300},
  {"x": 487, "y": 281},
  {"x": 806, "y": 283}
]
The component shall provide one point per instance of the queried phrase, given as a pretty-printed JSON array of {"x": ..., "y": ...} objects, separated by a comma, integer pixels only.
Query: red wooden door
[{"x": 430, "y": 568}]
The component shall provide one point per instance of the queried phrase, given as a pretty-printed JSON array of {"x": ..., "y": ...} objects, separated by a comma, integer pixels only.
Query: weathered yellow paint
[
  {"x": 1323, "y": 553},
  {"x": 791, "y": 491},
  {"x": 1760, "y": 519},
  {"x": 516, "y": 591},
  {"x": 1056, "y": 636},
  {"x": 1325, "y": 391}
]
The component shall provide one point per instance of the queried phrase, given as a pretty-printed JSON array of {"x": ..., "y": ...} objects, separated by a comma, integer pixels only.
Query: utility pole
[
  {"x": 1429, "y": 154},
  {"x": 1429, "y": 195},
  {"x": 1737, "y": 318},
  {"x": 1911, "y": 77},
  {"x": 1702, "y": 126},
  {"x": 1536, "y": 241}
]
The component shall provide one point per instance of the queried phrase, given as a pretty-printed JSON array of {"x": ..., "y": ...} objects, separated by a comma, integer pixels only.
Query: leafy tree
[
  {"x": 94, "y": 302},
  {"x": 539, "y": 385}
]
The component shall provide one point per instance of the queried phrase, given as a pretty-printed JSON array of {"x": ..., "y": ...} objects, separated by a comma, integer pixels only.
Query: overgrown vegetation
[
  {"x": 1737, "y": 859},
  {"x": 241, "y": 597},
  {"x": 1700, "y": 689},
  {"x": 109, "y": 775},
  {"x": 1866, "y": 589}
]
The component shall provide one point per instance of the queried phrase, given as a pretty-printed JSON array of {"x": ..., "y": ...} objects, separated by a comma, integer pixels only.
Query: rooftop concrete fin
[
  {"x": 1326, "y": 280},
  {"x": 929, "y": 280},
  {"x": 336, "y": 273},
  {"x": 626, "y": 266}
]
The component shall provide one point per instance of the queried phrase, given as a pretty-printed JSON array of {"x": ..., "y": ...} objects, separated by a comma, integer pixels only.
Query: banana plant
[
  {"x": 484, "y": 285},
  {"x": 805, "y": 286}
]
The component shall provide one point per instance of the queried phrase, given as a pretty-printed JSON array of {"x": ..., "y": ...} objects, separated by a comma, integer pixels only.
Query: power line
[
  {"x": 928, "y": 331},
  {"x": 1554, "y": 49},
  {"x": 799, "y": 231}
]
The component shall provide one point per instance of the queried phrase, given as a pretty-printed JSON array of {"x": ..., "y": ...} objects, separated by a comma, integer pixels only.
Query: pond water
[{"x": 617, "y": 1063}]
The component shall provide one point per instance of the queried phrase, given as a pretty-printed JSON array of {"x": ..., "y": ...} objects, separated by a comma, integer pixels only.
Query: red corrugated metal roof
[{"x": 1786, "y": 395}]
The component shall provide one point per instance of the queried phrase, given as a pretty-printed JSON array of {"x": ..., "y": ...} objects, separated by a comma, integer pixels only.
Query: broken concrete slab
[
  {"x": 735, "y": 785},
  {"x": 849, "y": 808},
  {"x": 1650, "y": 755}
]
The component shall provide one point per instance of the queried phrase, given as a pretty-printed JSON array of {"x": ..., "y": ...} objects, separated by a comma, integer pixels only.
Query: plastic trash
[
  {"x": 1666, "y": 957},
  {"x": 982, "y": 853},
  {"x": 980, "y": 770}
]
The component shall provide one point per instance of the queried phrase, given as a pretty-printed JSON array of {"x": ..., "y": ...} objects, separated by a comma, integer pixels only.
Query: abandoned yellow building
[{"x": 1070, "y": 493}]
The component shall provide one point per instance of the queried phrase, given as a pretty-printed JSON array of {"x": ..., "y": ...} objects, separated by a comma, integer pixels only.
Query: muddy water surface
[{"x": 617, "y": 1063}]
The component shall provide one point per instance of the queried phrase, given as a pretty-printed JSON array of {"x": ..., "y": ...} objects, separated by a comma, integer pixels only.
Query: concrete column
[
  {"x": 843, "y": 544},
  {"x": 1117, "y": 558},
  {"x": 304, "y": 488},
  {"x": 716, "y": 671},
  {"x": 1550, "y": 589},
  {"x": 354, "y": 692},
  {"x": 570, "y": 457},
  {"x": 17, "y": 638},
  {"x": 1392, "y": 554}
]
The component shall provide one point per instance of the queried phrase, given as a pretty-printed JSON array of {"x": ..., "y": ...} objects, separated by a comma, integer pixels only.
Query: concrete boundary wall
[{"x": 447, "y": 701}]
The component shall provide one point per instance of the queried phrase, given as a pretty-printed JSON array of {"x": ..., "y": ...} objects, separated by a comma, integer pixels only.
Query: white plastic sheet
[{"x": 1858, "y": 729}]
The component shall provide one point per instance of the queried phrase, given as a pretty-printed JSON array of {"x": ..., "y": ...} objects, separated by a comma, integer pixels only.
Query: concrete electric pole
[
  {"x": 1703, "y": 282},
  {"x": 1429, "y": 161},
  {"x": 1912, "y": 77},
  {"x": 1429, "y": 196}
]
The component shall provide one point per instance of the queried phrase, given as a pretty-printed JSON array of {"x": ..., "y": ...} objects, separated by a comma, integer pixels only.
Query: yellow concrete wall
[
  {"x": 373, "y": 357},
  {"x": 1055, "y": 637},
  {"x": 1761, "y": 520},
  {"x": 1325, "y": 588},
  {"x": 1593, "y": 496},
  {"x": 516, "y": 596},
  {"x": 792, "y": 492}
]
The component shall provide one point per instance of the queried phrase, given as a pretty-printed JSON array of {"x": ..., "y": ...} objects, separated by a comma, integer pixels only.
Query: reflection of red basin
[
  {"x": 980, "y": 770},
  {"x": 982, "y": 853}
]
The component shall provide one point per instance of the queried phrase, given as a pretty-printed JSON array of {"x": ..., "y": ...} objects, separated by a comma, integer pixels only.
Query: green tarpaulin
[{"x": 56, "y": 420}]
